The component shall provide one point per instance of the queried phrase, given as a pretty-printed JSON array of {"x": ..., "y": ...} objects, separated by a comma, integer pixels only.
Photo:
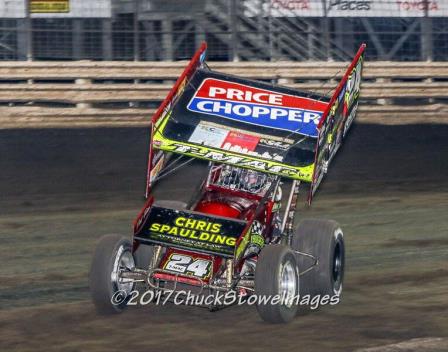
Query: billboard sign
[
  {"x": 12, "y": 8},
  {"x": 346, "y": 8},
  {"x": 56, "y": 9},
  {"x": 385, "y": 8},
  {"x": 49, "y": 6},
  {"x": 284, "y": 8}
]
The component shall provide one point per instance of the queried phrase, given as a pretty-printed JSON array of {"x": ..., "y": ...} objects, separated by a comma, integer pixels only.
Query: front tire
[
  {"x": 109, "y": 293},
  {"x": 277, "y": 273}
]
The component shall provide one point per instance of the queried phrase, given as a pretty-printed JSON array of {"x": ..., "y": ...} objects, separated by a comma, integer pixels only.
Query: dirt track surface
[{"x": 62, "y": 189}]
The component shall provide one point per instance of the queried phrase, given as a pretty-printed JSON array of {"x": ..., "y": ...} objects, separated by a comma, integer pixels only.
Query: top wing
[
  {"x": 251, "y": 124},
  {"x": 242, "y": 122}
]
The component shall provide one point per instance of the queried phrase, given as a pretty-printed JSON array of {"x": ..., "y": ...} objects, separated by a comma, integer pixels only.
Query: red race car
[{"x": 232, "y": 242}]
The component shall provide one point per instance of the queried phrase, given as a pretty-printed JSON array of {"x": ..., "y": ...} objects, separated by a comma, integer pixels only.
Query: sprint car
[{"x": 237, "y": 233}]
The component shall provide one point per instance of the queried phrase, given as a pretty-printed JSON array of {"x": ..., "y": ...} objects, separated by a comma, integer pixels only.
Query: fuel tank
[{"x": 218, "y": 208}]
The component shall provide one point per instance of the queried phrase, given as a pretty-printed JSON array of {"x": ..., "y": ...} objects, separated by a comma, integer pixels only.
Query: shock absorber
[{"x": 229, "y": 272}]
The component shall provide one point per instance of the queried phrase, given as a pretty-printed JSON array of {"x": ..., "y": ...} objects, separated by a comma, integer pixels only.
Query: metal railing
[{"x": 127, "y": 93}]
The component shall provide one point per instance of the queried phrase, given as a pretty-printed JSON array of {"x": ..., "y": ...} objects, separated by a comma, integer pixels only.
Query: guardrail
[{"x": 126, "y": 93}]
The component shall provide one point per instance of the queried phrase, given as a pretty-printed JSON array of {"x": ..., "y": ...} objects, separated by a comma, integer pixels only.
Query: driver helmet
[{"x": 253, "y": 181}]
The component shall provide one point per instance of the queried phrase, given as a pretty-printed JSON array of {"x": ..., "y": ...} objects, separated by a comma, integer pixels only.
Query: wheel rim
[
  {"x": 288, "y": 283},
  {"x": 338, "y": 268},
  {"x": 124, "y": 261}
]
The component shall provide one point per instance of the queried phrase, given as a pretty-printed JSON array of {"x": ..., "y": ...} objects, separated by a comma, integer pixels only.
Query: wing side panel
[{"x": 337, "y": 119}]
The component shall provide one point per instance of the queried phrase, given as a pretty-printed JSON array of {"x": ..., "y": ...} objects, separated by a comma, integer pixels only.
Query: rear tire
[
  {"x": 112, "y": 253},
  {"x": 277, "y": 273},
  {"x": 143, "y": 256},
  {"x": 324, "y": 240}
]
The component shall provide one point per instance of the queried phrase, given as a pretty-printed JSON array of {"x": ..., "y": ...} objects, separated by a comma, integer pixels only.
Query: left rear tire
[{"x": 109, "y": 293}]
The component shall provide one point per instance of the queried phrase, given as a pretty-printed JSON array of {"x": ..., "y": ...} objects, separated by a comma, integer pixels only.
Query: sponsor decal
[
  {"x": 419, "y": 5},
  {"x": 334, "y": 108},
  {"x": 341, "y": 94},
  {"x": 187, "y": 265},
  {"x": 252, "y": 242},
  {"x": 194, "y": 229},
  {"x": 350, "y": 119},
  {"x": 244, "y": 142},
  {"x": 269, "y": 143},
  {"x": 208, "y": 135},
  {"x": 291, "y": 4},
  {"x": 353, "y": 84},
  {"x": 142, "y": 217},
  {"x": 257, "y": 106},
  {"x": 256, "y": 236},
  {"x": 257, "y": 240},
  {"x": 180, "y": 90},
  {"x": 202, "y": 57},
  {"x": 233, "y": 141},
  {"x": 240, "y": 161},
  {"x": 283, "y": 8},
  {"x": 350, "y": 5},
  {"x": 157, "y": 162},
  {"x": 191, "y": 230}
]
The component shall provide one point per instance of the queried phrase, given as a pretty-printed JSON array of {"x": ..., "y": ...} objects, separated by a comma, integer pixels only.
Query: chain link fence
[{"x": 297, "y": 30}]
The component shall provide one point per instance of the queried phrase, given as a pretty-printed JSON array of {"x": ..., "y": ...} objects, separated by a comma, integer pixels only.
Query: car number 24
[{"x": 188, "y": 265}]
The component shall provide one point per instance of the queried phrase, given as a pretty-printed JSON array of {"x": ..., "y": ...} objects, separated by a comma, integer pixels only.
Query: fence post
[
  {"x": 167, "y": 39},
  {"x": 23, "y": 37},
  {"x": 136, "y": 31},
  {"x": 383, "y": 101},
  {"x": 199, "y": 36},
  {"x": 28, "y": 31},
  {"x": 426, "y": 35},
  {"x": 326, "y": 34},
  {"x": 310, "y": 40},
  {"x": 107, "y": 39},
  {"x": 81, "y": 104},
  {"x": 426, "y": 38},
  {"x": 234, "y": 30},
  {"x": 77, "y": 39}
]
